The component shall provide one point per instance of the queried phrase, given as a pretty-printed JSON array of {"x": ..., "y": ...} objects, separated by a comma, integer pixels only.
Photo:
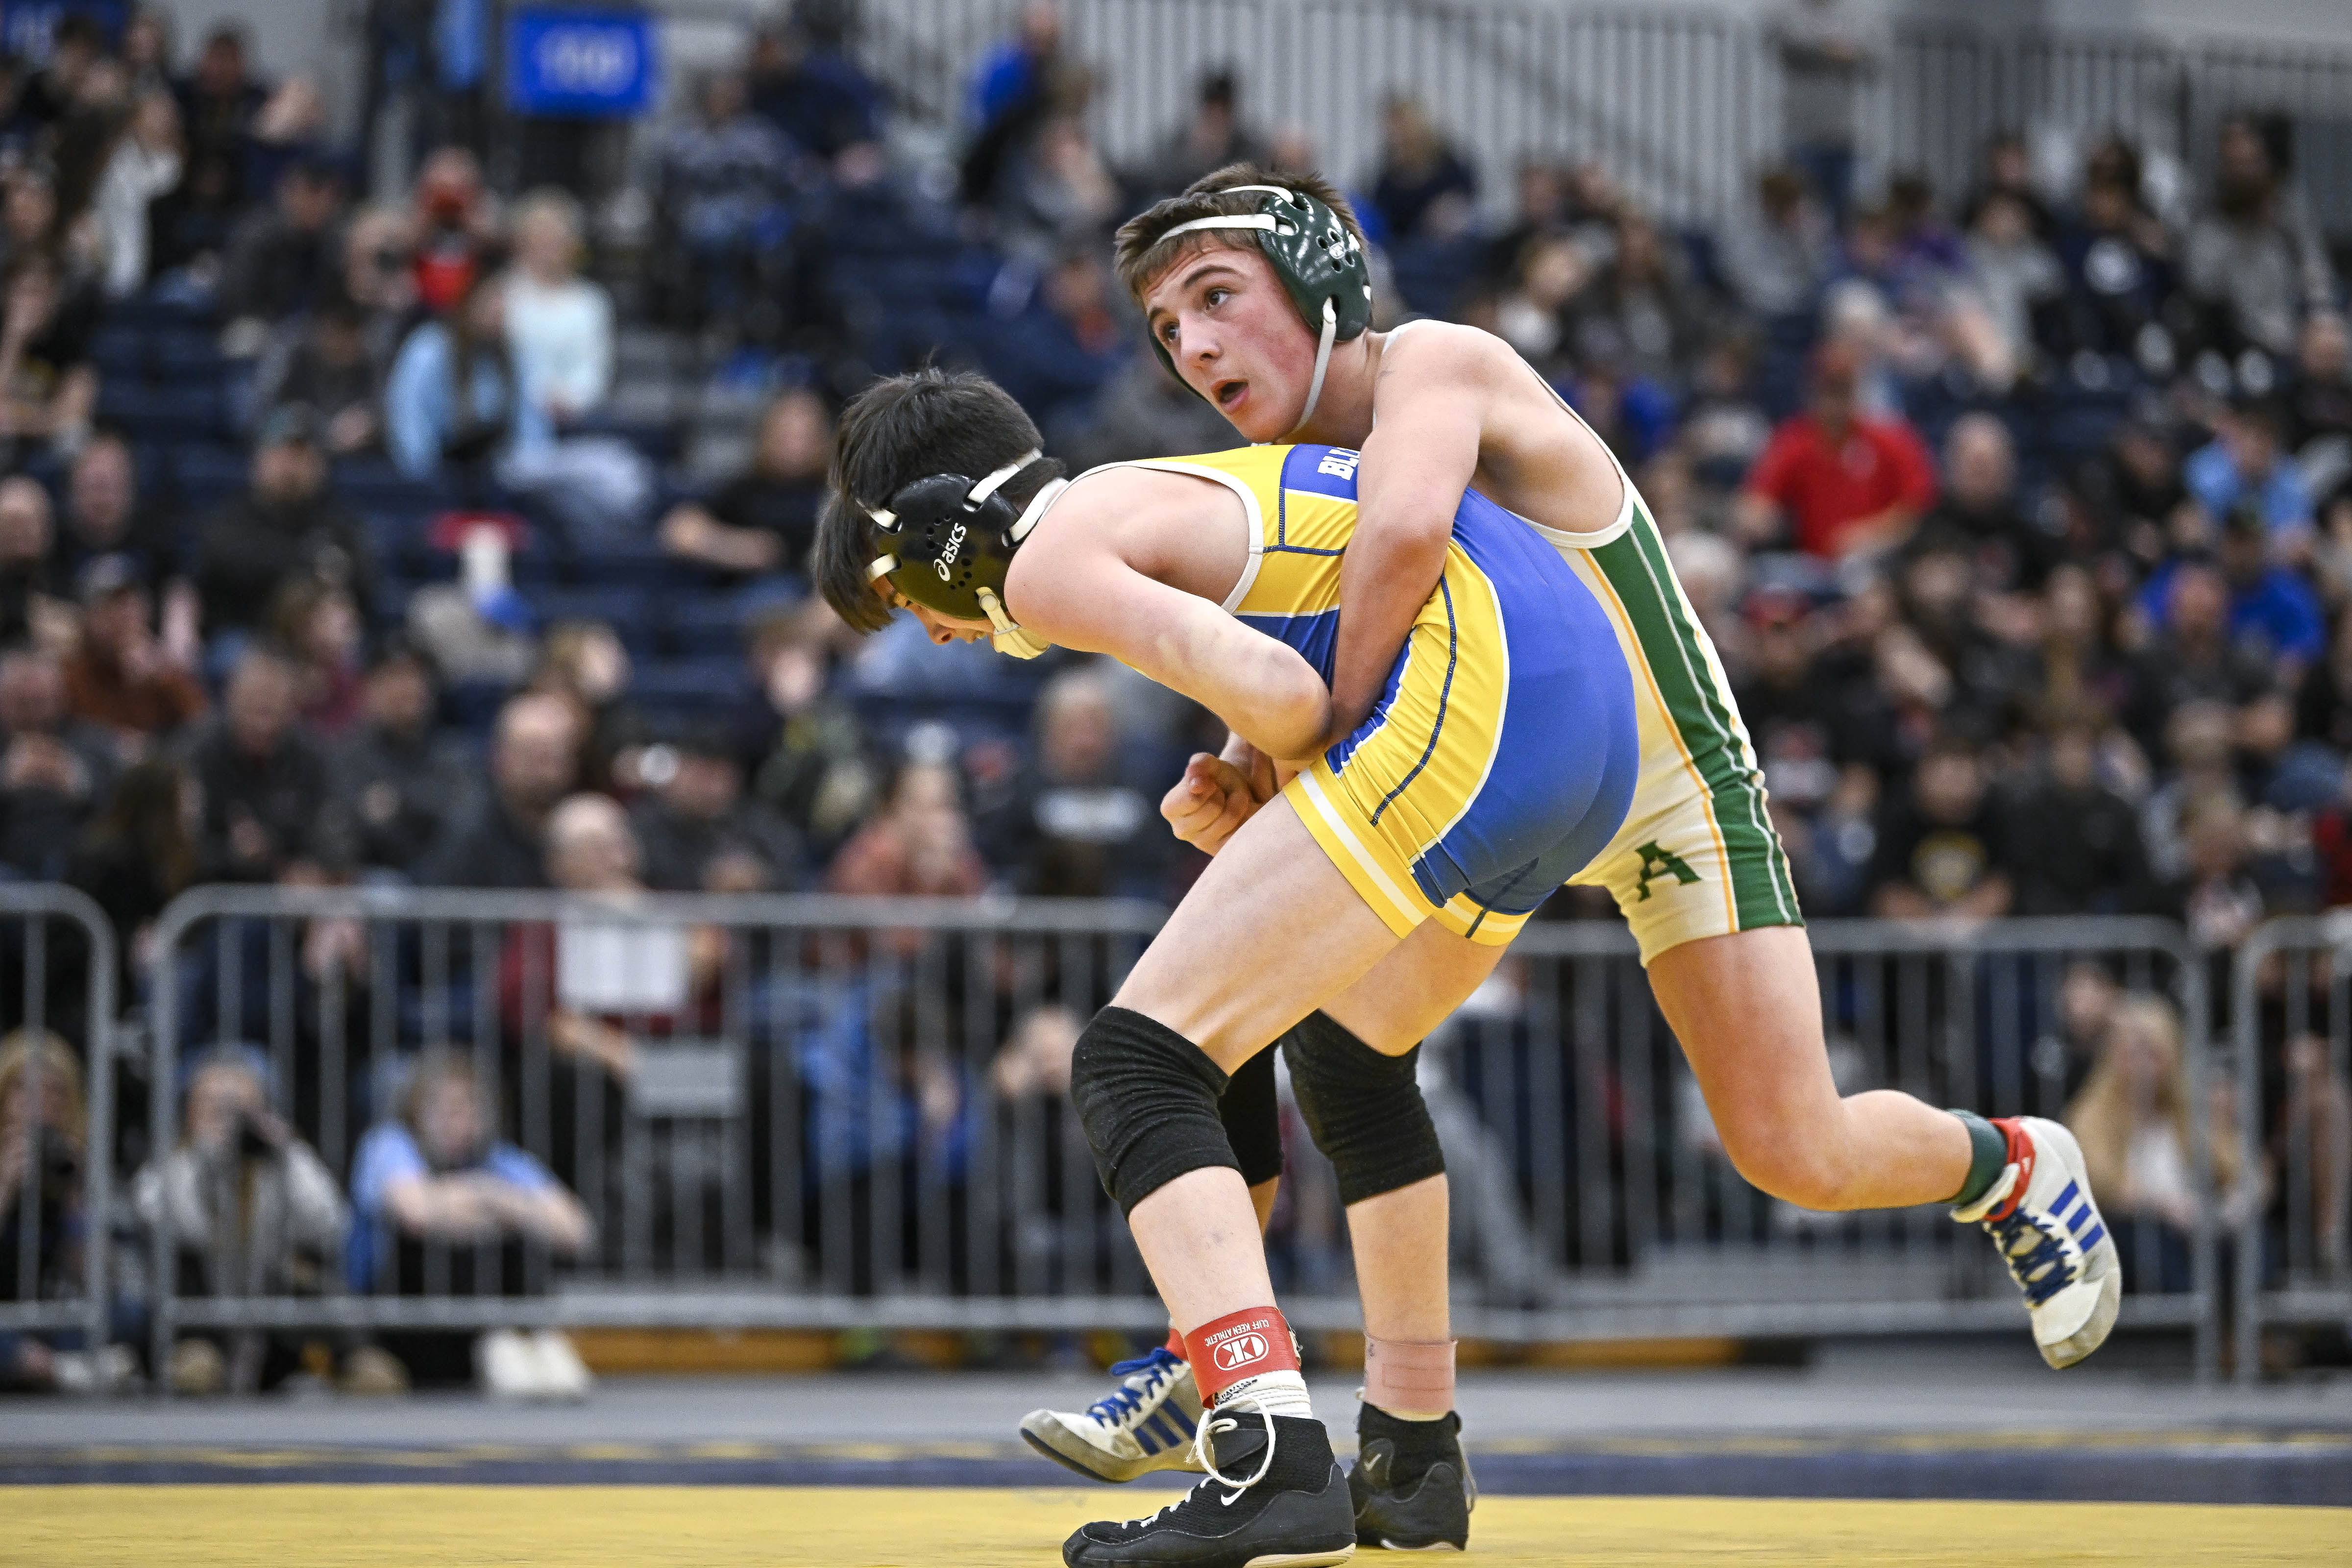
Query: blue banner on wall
[
  {"x": 26, "y": 27},
  {"x": 575, "y": 64}
]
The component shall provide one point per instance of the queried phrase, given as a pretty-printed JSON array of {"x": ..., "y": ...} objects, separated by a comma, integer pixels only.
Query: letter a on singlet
[{"x": 1657, "y": 861}]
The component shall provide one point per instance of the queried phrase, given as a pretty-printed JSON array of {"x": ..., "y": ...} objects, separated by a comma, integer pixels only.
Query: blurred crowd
[{"x": 341, "y": 541}]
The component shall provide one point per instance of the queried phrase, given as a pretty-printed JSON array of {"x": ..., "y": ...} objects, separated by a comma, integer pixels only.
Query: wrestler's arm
[
  {"x": 1081, "y": 592},
  {"x": 1431, "y": 400}
]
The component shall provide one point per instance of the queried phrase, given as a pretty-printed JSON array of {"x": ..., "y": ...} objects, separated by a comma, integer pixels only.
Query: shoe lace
[
  {"x": 2035, "y": 1253},
  {"x": 1144, "y": 1375},
  {"x": 1201, "y": 1452}
]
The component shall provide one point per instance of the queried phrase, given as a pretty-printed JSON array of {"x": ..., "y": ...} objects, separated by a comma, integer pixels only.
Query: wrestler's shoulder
[{"x": 1434, "y": 347}]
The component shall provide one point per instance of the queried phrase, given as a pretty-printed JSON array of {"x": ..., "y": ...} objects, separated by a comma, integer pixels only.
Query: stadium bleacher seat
[
  {"x": 204, "y": 473},
  {"x": 164, "y": 413},
  {"x": 688, "y": 685},
  {"x": 704, "y": 625},
  {"x": 156, "y": 312},
  {"x": 118, "y": 353},
  {"x": 472, "y": 705},
  {"x": 626, "y": 610},
  {"x": 641, "y": 564},
  {"x": 373, "y": 484},
  {"x": 186, "y": 356}
]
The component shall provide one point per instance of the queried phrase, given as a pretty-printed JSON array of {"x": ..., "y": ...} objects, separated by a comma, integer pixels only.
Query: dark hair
[
  {"x": 471, "y": 439},
  {"x": 263, "y": 653},
  {"x": 143, "y": 815},
  {"x": 437, "y": 1064},
  {"x": 1145, "y": 251},
  {"x": 898, "y": 430},
  {"x": 400, "y": 648},
  {"x": 2263, "y": 411},
  {"x": 1951, "y": 742},
  {"x": 78, "y": 27}
]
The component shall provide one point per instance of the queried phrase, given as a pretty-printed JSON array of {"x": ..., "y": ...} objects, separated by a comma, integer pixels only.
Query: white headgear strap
[
  {"x": 888, "y": 520},
  {"x": 1270, "y": 224},
  {"x": 1034, "y": 513},
  {"x": 1008, "y": 637},
  {"x": 989, "y": 486},
  {"x": 1266, "y": 221},
  {"x": 1322, "y": 363}
]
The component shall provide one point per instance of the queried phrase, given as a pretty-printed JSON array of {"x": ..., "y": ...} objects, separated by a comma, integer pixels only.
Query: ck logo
[
  {"x": 1240, "y": 1351},
  {"x": 1339, "y": 462},
  {"x": 948, "y": 555}
]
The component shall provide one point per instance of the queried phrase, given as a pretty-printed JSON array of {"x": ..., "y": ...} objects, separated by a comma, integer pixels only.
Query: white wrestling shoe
[
  {"x": 2040, "y": 1213},
  {"x": 1146, "y": 1425}
]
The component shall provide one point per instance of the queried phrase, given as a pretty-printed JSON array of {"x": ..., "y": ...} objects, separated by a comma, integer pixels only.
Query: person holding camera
[
  {"x": 44, "y": 1121},
  {"x": 251, "y": 1210}
]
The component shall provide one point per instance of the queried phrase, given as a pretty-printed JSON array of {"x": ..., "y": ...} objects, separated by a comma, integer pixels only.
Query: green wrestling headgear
[
  {"x": 947, "y": 543},
  {"x": 1320, "y": 262}
]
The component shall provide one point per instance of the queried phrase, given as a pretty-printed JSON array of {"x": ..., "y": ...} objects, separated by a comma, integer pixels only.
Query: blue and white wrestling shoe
[
  {"x": 2039, "y": 1212},
  {"x": 1147, "y": 1424}
]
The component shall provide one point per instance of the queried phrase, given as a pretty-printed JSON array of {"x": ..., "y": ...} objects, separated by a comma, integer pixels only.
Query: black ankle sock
[
  {"x": 1302, "y": 1450},
  {"x": 1417, "y": 1443}
]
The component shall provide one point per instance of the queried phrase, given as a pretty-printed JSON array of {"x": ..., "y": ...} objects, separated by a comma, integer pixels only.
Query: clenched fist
[{"x": 1217, "y": 794}]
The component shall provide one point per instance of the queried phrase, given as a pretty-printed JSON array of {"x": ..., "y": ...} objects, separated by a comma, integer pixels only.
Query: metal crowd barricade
[
  {"x": 777, "y": 1111},
  {"x": 1592, "y": 1198},
  {"x": 831, "y": 1113},
  {"x": 57, "y": 960},
  {"x": 2292, "y": 1085}
]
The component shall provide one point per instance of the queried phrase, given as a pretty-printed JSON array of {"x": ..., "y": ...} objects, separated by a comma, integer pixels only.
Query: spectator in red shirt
[{"x": 1834, "y": 482}]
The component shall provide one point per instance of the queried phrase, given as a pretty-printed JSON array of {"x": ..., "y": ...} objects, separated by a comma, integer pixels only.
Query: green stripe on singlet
[{"x": 1636, "y": 567}]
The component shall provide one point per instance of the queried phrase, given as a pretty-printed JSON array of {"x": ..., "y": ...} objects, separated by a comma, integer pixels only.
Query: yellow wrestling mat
[{"x": 843, "y": 1527}]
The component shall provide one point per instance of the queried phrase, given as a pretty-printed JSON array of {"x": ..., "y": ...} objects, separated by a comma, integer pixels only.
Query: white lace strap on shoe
[{"x": 1202, "y": 1449}]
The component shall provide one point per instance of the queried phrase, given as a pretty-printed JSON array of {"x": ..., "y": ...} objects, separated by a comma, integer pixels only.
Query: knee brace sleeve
[
  {"x": 1364, "y": 1109},
  {"x": 1148, "y": 1099},
  {"x": 1253, "y": 1119}
]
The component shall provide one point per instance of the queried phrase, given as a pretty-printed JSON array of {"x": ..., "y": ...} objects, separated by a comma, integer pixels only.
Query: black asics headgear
[{"x": 947, "y": 541}]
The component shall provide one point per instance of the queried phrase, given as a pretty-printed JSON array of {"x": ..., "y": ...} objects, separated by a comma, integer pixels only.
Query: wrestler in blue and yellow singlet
[{"x": 1503, "y": 754}]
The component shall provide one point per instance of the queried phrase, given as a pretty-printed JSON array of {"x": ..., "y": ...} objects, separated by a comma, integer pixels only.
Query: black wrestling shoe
[
  {"x": 1279, "y": 1502},
  {"x": 1410, "y": 1486}
]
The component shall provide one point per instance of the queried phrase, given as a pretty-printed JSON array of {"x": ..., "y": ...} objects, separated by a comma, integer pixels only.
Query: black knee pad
[
  {"x": 1253, "y": 1119},
  {"x": 1364, "y": 1109},
  {"x": 1148, "y": 1099}
]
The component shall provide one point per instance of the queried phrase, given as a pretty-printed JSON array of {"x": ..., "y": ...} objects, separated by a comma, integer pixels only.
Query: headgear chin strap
[
  {"x": 1320, "y": 262},
  {"x": 954, "y": 538}
]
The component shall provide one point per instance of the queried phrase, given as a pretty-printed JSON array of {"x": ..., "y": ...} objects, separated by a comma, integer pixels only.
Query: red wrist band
[{"x": 1239, "y": 1346}]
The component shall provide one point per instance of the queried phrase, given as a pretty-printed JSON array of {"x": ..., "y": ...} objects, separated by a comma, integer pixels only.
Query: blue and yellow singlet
[{"x": 1503, "y": 754}]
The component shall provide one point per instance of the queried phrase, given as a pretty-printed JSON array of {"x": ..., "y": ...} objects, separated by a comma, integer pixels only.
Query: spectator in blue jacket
[
  {"x": 1060, "y": 351},
  {"x": 814, "y": 94},
  {"x": 1018, "y": 70},
  {"x": 454, "y": 405},
  {"x": 2248, "y": 461},
  {"x": 436, "y": 1175},
  {"x": 2270, "y": 606}
]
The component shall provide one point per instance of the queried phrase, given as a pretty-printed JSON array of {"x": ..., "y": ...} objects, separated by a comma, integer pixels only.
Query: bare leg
[
  {"x": 1262, "y": 1198},
  {"x": 1408, "y": 994},
  {"x": 1747, "y": 1011},
  {"x": 1269, "y": 932},
  {"x": 1400, "y": 1238},
  {"x": 1198, "y": 1236}
]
